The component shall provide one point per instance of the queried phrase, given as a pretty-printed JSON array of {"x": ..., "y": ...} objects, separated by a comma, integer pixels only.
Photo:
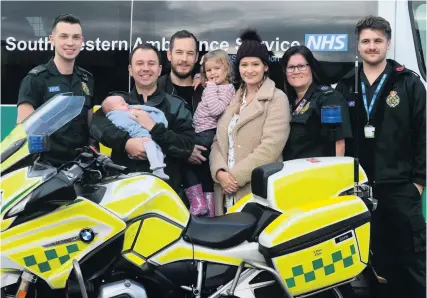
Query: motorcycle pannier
[{"x": 319, "y": 244}]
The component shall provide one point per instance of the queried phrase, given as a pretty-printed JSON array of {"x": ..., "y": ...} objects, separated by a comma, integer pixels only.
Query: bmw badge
[{"x": 87, "y": 235}]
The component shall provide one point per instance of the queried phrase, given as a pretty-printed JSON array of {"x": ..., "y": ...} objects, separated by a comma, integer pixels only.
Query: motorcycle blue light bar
[
  {"x": 331, "y": 115},
  {"x": 36, "y": 144}
]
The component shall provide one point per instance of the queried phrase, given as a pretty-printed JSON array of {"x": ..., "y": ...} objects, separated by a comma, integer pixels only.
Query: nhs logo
[
  {"x": 326, "y": 42},
  {"x": 53, "y": 88}
]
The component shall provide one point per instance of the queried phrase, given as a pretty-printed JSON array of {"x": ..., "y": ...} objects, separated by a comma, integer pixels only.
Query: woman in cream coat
[{"x": 253, "y": 130}]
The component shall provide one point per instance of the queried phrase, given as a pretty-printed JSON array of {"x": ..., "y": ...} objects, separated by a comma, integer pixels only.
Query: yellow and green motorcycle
[{"x": 90, "y": 229}]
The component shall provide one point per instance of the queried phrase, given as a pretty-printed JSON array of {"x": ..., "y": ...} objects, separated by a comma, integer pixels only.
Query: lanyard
[{"x": 374, "y": 97}]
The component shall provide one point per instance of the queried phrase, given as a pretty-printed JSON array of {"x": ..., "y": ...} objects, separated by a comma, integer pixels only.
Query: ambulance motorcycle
[{"x": 90, "y": 229}]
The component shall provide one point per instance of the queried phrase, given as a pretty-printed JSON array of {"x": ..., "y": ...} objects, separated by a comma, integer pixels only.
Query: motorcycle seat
[{"x": 222, "y": 231}]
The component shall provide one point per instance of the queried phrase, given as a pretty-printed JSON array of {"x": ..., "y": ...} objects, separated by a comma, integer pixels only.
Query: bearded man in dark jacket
[{"x": 176, "y": 140}]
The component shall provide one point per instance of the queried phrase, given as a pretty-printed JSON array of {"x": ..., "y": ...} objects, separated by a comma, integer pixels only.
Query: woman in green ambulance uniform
[
  {"x": 307, "y": 95},
  {"x": 308, "y": 137}
]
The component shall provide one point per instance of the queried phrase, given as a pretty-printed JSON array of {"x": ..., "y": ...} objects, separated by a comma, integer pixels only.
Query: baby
[{"x": 118, "y": 111}]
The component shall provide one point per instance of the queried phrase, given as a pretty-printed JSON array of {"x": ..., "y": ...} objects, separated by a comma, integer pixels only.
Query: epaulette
[
  {"x": 37, "y": 70},
  {"x": 84, "y": 70},
  {"x": 403, "y": 69},
  {"x": 326, "y": 89},
  {"x": 418, "y": 76},
  {"x": 85, "y": 74}
]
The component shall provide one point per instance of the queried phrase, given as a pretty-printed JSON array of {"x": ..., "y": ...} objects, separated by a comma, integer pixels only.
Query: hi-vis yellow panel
[
  {"x": 312, "y": 185},
  {"x": 130, "y": 235},
  {"x": 363, "y": 237},
  {"x": 144, "y": 194},
  {"x": 53, "y": 263},
  {"x": 16, "y": 186},
  {"x": 279, "y": 221},
  {"x": 133, "y": 258},
  {"x": 319, "y": 266},
  {"x": 154, "y": 235},
  {"x": 17, "y": 133},
  {"x": 47, "y": 262},
  {"x": 312, "y": 217},
  {"x": 105, "y": 150},
  {"x": 124, "y": 206},
  {"x": 240, "y": 203},
  {"x": 6, "y": 223},
  {"x": 125, "y": 182},
  {"x": 167, "y": 205}
]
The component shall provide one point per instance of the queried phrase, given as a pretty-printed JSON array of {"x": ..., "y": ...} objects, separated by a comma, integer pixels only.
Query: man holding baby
[{"x": 175, "y": 140}]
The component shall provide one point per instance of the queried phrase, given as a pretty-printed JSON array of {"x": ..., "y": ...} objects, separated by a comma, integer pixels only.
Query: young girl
[{"x": 217, "y": 74}]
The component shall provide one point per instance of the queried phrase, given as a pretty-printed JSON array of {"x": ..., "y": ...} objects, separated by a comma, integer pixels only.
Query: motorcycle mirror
[{"x": 38, "y": 143}]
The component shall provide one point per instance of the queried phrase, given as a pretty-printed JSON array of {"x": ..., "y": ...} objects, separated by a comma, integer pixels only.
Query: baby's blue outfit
[{"x": 122, "y": 120}]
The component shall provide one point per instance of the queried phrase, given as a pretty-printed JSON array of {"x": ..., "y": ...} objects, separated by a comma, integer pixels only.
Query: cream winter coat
[{"x": 259, "y": 137}]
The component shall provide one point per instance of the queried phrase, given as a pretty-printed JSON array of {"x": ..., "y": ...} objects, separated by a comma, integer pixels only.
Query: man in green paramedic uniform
[{"x": 61, "y": 75}]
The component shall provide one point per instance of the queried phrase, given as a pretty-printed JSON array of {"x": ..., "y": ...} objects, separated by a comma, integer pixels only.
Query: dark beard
[{"x": 180, "y": 75}]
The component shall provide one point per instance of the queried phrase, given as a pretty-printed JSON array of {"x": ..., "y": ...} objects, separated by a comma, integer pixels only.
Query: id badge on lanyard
[{"x": 369, "y": 130}]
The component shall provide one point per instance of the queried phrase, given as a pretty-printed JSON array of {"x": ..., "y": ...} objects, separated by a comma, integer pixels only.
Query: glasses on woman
[{"x": 301, "y": 67}]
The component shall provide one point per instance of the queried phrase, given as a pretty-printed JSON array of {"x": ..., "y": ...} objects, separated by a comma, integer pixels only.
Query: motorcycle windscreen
[{"x": 31, "y": 135}]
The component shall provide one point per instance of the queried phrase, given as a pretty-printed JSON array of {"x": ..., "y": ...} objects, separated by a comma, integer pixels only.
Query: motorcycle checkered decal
[
  {"x": 51, "y": 258},
  {"x": 319, "y": 264}
]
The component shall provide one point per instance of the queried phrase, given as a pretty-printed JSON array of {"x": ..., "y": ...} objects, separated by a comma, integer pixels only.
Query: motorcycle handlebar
[
  {"x": 113, "y": 166},
  {"x": 106, "y": 163}
]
